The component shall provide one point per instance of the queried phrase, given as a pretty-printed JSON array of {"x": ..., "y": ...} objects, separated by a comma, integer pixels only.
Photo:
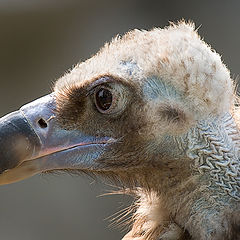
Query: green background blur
[{"x": 39, "y": 41}]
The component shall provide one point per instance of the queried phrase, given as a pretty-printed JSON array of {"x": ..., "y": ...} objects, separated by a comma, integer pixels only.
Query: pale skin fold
[{"x": 166, "y": 131}]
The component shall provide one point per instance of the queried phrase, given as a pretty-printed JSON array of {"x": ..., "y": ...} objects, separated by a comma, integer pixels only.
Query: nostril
[{"x": 42, "y": 123}]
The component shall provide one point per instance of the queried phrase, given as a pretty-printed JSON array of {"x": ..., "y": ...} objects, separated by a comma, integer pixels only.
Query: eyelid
[
  {"x": 97, "y": 87},
  {"x": 100, "y": 81}
]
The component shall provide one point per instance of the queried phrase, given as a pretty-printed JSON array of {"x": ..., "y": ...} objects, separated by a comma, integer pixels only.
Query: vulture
[{"x": 156, "y": 112}]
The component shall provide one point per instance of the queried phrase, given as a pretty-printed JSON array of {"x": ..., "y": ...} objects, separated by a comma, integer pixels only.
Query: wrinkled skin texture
[{"x": 171, "y": 137}]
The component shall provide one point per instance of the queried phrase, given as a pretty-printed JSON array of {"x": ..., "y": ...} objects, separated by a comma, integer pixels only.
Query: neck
[{"x": 213, "y": 147}]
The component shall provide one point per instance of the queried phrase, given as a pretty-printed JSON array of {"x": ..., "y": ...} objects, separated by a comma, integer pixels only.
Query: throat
[{"x": 213, "y": 146}]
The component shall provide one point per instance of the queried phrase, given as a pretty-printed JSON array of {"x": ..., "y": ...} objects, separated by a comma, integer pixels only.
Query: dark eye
[
  {"x": 110, "y": 98},
  {"x": 103, "y": 99}
]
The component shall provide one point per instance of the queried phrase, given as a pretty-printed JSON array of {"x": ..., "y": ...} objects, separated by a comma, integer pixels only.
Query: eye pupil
[{"x": 104, "y": 99}]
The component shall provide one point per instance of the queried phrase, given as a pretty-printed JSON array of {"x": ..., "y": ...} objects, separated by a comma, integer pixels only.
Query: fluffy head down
[{"x": 175, "y": 54}]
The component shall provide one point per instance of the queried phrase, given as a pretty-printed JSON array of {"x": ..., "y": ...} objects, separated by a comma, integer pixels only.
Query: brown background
[{"x": 39, "y": 41}]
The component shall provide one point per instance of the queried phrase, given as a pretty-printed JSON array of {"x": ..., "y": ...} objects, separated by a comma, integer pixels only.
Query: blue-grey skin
[{"x": 156, "y": 89}]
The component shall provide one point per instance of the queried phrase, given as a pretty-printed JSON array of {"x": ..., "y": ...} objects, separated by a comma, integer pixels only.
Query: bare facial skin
[{"x": 153, "y": 112}]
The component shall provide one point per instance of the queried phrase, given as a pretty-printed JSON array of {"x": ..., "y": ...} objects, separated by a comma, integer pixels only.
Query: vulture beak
[{"x": 31, "y": 141}]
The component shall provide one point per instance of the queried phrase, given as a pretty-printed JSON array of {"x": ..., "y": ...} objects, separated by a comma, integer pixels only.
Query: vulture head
[{"x": 153, "y": 111}]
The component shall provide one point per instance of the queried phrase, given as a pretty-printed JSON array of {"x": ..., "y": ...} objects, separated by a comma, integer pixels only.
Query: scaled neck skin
[{"x": 213, "y": 150}]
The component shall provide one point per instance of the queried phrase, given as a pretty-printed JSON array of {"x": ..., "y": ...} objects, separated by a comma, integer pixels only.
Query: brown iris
[{"x": 103, "y": 99}]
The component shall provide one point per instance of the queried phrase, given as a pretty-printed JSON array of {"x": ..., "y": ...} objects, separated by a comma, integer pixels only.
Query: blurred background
[{"x": 39, "y": 41}]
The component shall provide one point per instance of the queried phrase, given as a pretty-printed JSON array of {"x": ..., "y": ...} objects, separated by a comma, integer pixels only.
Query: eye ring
[{"x": 110, "y": 98}]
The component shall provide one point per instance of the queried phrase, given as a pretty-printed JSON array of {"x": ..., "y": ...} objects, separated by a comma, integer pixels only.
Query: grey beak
[
  {"x": 23, "y": 133},
  {"x": 18, "y": 141}
]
